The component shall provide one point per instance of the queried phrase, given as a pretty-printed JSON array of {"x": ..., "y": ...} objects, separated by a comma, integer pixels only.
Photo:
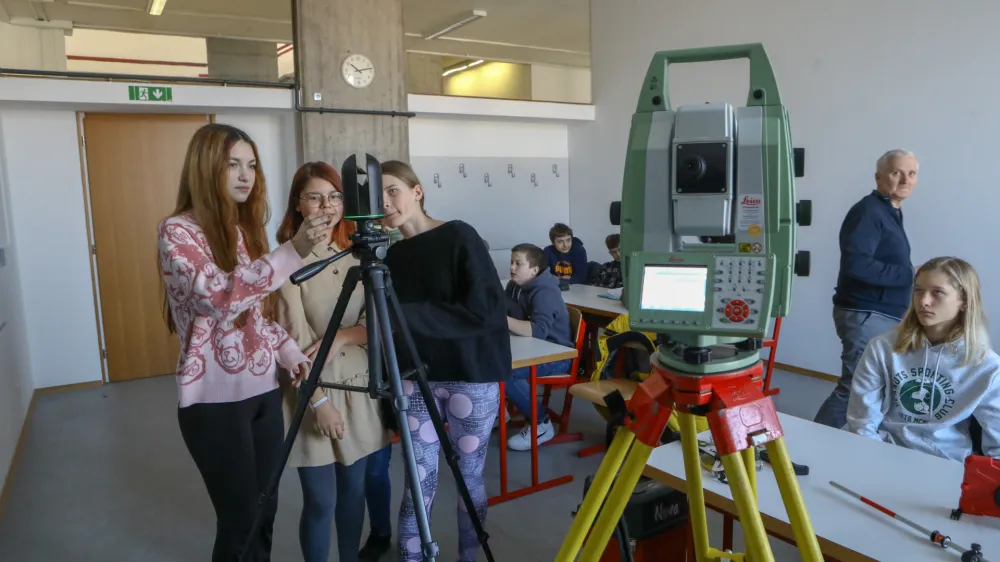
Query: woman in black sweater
[{"x": 454, "y": 305}]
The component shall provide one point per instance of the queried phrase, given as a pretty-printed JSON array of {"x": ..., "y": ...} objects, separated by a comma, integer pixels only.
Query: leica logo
[
  {"x": 675, "y": 260},
  {"x": 748, "y": 200}
]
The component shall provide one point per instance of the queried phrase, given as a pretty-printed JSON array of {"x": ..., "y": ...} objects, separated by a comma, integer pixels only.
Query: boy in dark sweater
[
  {"x": 610, "y": 275},
  {"x": 566, "y": 256},
  {"x": 535, "y": 308}
]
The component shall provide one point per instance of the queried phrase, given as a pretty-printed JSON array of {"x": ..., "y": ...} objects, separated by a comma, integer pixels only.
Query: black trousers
[{"x": 236, "y": 447}]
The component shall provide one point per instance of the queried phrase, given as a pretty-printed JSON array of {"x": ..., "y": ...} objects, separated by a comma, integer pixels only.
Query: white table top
[
  {"x": 587, "y": 297},
  {"x": 920, "y": 487},
  {"x": 527, "y": 351}
]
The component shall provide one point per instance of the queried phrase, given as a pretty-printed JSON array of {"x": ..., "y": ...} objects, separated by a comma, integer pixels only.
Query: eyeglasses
[{"x": 316, "y": 199}]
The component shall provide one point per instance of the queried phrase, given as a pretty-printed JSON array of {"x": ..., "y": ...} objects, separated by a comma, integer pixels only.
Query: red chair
[{"x": 577, "y": 327}]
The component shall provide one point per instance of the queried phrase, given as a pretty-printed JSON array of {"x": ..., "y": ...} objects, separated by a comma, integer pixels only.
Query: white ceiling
[{"x": 542, "y": 31}]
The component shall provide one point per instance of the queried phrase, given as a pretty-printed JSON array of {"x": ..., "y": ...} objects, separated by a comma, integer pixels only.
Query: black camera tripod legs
[
  {"x": 377, "y": 293},
  {"x": 450, "y": 455}
]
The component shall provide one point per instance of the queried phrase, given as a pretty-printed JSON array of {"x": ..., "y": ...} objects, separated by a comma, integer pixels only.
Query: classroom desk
[
  {"x": 587, "y": 299},
  {"x": 920, "y": 487},
  {"x": 528, "y": 352}
]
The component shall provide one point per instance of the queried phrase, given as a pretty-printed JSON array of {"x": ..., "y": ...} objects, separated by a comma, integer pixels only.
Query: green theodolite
[{"x": 708, "y": 216}]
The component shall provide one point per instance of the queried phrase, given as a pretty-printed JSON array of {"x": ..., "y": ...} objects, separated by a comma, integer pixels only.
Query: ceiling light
[
  {"x": 476, "y": 14},
  {"x": 156, "y": 7},
  {"x": 461, "y": 68}
]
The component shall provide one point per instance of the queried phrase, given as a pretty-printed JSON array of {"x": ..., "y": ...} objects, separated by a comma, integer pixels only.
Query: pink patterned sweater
[{"x": 220, "y": 362}]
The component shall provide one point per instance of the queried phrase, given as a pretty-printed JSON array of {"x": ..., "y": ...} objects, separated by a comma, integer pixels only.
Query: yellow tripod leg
[
  {"x": 750, "y": 462},
  {"x": 596, "y": 494},
  {"x": 791, "y": 495},
  {"x": 695, "y": 493},
  {"x": 635, "y": 463},
  {"x": 754, "y": 536}
]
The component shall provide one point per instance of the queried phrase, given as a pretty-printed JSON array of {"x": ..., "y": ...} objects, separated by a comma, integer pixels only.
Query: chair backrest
[
  {"x": 577, "y": 331},
  {"x": 593, "y": 272}
]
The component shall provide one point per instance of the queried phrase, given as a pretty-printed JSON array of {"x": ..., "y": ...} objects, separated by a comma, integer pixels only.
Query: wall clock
[{"x": 358, "y": 70}]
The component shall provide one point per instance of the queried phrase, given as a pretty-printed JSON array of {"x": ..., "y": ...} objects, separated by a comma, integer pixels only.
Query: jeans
[
  {"x": 854, "y": 328},
  {"x": 322, "y": 508},
  {"x": 234, "y": 445},
  {"x": 518, "y": 387},
  {"x": 378, "y": 492}
]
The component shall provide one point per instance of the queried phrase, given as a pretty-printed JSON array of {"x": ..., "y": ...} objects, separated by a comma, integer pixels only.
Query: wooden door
[{"x": 134, "y": 166}]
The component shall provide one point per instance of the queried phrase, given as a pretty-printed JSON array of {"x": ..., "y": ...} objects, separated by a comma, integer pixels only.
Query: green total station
[{"x": 708, "y": 217}]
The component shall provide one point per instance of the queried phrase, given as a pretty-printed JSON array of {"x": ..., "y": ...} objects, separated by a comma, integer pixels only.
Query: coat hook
[
  {"x": 437, "y": 180},
  {"x": 533, "y": 180},
  {"x": 461, "y": 170},
  {"x": 555, "y": 169},
  {"x": 510, "y": 169},
  {"x": 486, "y": 178}
]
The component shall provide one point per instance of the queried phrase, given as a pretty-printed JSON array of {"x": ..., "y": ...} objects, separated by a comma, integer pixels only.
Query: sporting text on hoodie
[
  {"x": 572, "y": 263},
  {"x": 923, "y": 399},
  {"x": 540, "y": 301}
]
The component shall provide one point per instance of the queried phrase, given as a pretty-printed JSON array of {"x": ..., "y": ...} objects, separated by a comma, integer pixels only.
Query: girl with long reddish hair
[
  {"x": 346, "y": 446},
  {"x": 219, "y": 282}
]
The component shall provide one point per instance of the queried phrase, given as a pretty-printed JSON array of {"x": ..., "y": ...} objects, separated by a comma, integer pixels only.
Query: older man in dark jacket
[{"x": 875, "y": 283}]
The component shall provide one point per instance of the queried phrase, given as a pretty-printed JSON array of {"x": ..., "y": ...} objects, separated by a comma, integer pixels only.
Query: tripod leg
[
  {"x": 791, "y": 495},
  {"x": 750, "y": 462},
  {"x": 757, "y": 545},
  {"x": 596, "y": 494},
  {"x": 451, "y": 457},
  {"x": 611, "y": 514},
  {"x": 695, "y": 492},
  {"x": 378, "y": 292}
]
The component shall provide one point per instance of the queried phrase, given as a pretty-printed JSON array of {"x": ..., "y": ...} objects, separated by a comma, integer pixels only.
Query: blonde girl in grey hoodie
[{"x": 919, "y": 384}]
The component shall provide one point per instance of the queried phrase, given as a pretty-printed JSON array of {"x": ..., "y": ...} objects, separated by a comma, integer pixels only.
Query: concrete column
[
  {"x": 423, "y": 74},
  {"x": 32, "y": 48},
  {"x": 326, "y": 33},
  {"x": 239, "y": 59}
]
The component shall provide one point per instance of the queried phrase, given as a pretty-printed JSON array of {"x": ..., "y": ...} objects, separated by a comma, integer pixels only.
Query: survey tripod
[
  {"x": 740, "y": 418},
  {"x": 363, "y": 204}
]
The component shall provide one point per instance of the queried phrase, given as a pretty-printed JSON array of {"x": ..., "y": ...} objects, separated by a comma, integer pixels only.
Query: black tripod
[{"x": 369, "y": 245}]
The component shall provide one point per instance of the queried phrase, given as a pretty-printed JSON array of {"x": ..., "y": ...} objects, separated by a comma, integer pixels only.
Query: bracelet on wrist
[{"x": 317, "y": 403}]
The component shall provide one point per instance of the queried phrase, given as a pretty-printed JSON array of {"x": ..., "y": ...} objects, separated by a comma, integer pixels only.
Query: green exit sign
[{"x": 150, "y": 93}]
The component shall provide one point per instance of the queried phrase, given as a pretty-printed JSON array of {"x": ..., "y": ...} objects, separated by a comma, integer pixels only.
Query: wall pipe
[{"x": 296, "y": 91}]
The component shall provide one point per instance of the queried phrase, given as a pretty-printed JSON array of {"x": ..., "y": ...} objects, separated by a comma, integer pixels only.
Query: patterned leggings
[{"x": 469, "y": 410}]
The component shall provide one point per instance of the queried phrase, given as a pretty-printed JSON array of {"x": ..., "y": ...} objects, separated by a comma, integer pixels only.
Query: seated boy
[
  {"x": 566, "y": 256},
  {"x": 610, "y": 275},
  {"x": 535, "y": 308}
]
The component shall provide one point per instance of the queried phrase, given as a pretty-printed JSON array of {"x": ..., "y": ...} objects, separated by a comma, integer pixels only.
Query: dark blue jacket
[
  {"x": 540, "y": 301},
  {"x": 573, "y": 263},
  {"x": 875, "y": 269}
]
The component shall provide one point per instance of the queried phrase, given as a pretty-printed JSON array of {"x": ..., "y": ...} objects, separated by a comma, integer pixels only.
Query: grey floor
[{"x": 103, "y": 475}]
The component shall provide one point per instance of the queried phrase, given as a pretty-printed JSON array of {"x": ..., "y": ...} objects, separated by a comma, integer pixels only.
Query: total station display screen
[{"x": 672, "y": 287}]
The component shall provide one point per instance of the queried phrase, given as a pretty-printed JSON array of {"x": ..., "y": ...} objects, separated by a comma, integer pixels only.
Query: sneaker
[
  {"x": 374, "y": 548},
  {"x": 522, "y": 441},
  {"x": 506, "y": 419}
]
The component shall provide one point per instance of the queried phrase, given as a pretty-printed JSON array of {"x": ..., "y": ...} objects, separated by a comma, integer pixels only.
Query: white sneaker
[
  {"x": 522, "y": 440},
  {"x": 506, "y": 419}
]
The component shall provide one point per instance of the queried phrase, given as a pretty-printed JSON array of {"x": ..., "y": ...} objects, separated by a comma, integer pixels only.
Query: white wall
[
  {"x": 569, "y": 84},
  {"x": 16, "y": 385},
  {"x": 46, "y": 210},
  {"x": 511, "y": 210},
  {"x": 914, "y": 77}
]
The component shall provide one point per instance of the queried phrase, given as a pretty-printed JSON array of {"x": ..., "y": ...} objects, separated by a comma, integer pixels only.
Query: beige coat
[{"x": 305, "y": 310}]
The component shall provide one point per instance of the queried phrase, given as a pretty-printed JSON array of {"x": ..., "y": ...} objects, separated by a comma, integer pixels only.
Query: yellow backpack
[{"x": 618, "y": 339}]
